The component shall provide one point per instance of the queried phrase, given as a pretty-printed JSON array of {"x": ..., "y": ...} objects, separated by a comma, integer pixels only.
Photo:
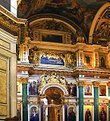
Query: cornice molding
[{"x": 12, "y": 17}]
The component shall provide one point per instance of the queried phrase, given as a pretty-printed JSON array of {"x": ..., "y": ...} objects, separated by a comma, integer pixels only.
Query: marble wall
[{"x": 7, "y": 75}]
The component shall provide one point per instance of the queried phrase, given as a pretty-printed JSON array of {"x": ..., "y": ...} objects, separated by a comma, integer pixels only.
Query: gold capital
[
  {"x": 80, "y": 83},
  {"x": 95, "y": 84},
  {"x": 108, "y": 84},
  {"x": 22, "y": 80}
]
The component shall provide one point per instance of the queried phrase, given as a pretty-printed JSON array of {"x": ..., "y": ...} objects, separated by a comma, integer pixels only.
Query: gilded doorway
[{"x": 54, "y": 97}]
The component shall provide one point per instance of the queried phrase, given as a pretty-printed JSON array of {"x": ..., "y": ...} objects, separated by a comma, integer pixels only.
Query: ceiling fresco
[{"x": 80, "y": 12}]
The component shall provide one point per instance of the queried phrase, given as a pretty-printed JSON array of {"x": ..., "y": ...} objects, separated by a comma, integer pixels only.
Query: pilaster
[
  {"x": 24, "y": 51},
  {"x": 96, "y": 58}
]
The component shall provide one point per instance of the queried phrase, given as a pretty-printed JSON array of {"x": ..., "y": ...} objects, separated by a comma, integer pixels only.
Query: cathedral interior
[{"x": 55, "y": 60}]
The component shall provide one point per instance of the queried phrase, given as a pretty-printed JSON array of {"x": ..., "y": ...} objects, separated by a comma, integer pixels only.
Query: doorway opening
[{"x": 55, "y": 108}]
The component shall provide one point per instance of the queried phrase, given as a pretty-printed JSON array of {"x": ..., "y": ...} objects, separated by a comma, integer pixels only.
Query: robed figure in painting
[
  {"x": 103, "y": 115},
  {"x": 34, "y": 116},
  {"x": 72, "y": 115},
  {"x": 88, "y": 116}
]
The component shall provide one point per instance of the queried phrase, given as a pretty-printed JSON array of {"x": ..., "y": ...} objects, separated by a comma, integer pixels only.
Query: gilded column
[
  {"x": 80, "y": 58},
  {"x": 24, "y": 100},
  {"x": 81, "y": 107},
  {"x": 108, "y": 101},
  {"x": 96, "y": 57},
  {"x": 96, "y": 101}
]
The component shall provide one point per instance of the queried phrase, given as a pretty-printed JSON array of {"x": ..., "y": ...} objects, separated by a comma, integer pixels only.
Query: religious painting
[
  {"x": 103, "y": 113},
  {"x": 72, "y": 89},
  {"x": 52, "y": 38},
  {"x": 34, "y": 114},
  {"x": 71, "y": 114},
  {"x": 88, "y": 89},
  {"x": 33, "y": 88},
  {"x": 87, "y": 61},
  {"x": 50, "y": 59},
  {"x": 102, "y": 61},
  {"x": 88, "y": 113},
  {"x": 102, "y": 90}
]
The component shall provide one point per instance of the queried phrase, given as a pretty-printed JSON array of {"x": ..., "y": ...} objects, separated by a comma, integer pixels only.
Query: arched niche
[{"x": 54, "y": 25}]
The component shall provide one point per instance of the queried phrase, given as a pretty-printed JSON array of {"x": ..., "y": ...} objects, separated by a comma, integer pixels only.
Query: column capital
[
  {"x": 95, "y": 84},
  {"x": 22, "y": 80},
  {"x": 108, "y": 84},
  {"x": 80, "y": 83}
]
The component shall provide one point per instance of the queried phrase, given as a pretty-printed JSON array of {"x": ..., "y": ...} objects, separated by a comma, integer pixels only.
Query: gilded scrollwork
[
  {"x": 70, "y": 59},
  {"x": 33, "y": 55},
  {"x": 52, "y": 78}
]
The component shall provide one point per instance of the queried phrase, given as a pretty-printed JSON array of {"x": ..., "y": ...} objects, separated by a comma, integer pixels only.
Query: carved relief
[
  {"x": 70, "y": 59},
  {"x": 52, "y": 78},
  {"x": 33, "y": 55}
]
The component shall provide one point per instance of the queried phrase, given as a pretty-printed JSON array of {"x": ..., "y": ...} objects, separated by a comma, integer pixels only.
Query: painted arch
[{"x": 100, "y": 27}]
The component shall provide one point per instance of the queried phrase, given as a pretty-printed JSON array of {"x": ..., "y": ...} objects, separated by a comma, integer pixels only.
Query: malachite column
[
  {"x": 24, "y": 100},
  {"x": 108, "y": 101},
  {"x": 96, "y": 101},
  {"x": 81, "y": 106}
]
